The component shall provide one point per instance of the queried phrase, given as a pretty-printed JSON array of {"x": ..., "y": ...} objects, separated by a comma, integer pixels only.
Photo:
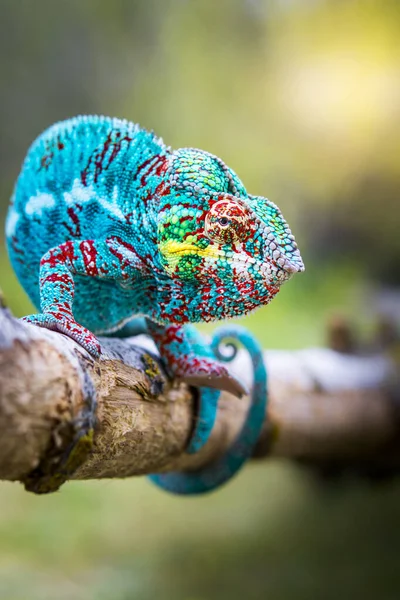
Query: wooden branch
[{"x": 323, "y": 407}]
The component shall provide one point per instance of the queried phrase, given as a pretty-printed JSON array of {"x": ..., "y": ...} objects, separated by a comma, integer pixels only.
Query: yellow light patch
[{"x": 172, "y": 251}]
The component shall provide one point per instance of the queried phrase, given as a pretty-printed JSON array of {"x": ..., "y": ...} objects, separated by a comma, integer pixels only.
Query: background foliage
[{"x": 302, "y": 99}]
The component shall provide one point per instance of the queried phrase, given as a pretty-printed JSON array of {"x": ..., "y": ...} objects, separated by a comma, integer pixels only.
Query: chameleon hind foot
[
  {"x": 187, "y": 357},
  {"x": 63, "y": 324},
  {"x": 190, "y": 361}
]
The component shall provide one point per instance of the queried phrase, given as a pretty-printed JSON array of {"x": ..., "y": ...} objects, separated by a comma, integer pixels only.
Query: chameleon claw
[
  {"x": 219, "y": 381},
  {"x": 190, "y": 358},
  {"x": 68, "y": 327}
]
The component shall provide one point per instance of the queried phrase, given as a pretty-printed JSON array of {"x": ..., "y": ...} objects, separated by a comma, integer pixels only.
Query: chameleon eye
[
  {"x": 226, "y": 222},
  {"x": 223, "y": 221}
]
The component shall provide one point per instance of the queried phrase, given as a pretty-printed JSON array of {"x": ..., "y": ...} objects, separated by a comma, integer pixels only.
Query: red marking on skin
[
  {"x": 162, "y": 189},
  {"x": 74, "y": 218},
  {"x": 246, "y": 287},
  {"x": 206, "y": 293},
  {"x": 117, "y": 148},
  {"x": 60, "y": 315},
  {"x": 63, "y": 254},
  {"x": 162, "y": 166},
  {"x": 192, "y": 364},
  {"x": 155, "y": 165},
  {"x": 65, "y": 311},
  {"x": 172, "y": 333},
  {"x": 74, "y": 231},
  {"x": 99, "y": 157},
  {"x": 124, "y": 244},
  {"x": 50, "y": 147},
  {"x": 272, "y": 289},
  {"x": 45, "y": 161},
  {"x": 98, "y": 167},
  {"x": 57, "y": 277},
  {"x": 123, "y": 260},
  {"x": 84, "y": 173},
  {"x": 200, "y": 233},
  {"x": 202, "y": 217},
  {"x": 89, "y": 255},
  {"x": 249, "y": 254},
  {"x": 14, "y": 242},
  {"x": 147, "y": 198},
  {"x": 146, "y": 166},
  {"x": 171, "y": 315}
]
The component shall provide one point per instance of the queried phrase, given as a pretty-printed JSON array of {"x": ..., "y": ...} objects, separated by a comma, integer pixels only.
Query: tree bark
[{"x": 324, "y": 407}]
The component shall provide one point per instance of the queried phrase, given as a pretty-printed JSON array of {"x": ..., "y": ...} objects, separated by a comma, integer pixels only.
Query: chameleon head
[{"x": 230, "y": 250}]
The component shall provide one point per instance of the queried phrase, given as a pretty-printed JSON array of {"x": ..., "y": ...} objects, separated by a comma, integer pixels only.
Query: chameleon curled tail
[{"x": 221, "y": 470}]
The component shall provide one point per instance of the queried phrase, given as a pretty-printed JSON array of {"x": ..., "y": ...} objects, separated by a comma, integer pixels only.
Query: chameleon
[{"x": 107, "y": 223}]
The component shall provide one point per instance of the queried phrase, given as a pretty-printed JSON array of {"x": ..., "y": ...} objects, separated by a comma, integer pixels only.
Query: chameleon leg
[
  {"x": 224, "y": 468},
  {"x": 185, "y": 353},
  {"x": 57, "y": 270}
]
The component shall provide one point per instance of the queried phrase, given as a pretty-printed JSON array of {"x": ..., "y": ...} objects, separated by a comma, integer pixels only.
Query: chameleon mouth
[
  {"x": 293, "y": 264},
  {"x": 281, "y": 268},
  {"x": 289, "y": 262}
]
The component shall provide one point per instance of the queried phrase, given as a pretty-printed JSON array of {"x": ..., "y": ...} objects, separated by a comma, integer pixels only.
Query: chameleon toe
[
  {"x": 223, "y": 382},
  {"x": 68, "y": 327}
]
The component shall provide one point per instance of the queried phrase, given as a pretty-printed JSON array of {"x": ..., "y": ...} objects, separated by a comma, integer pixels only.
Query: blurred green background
[{"x": 302, "y": 99}]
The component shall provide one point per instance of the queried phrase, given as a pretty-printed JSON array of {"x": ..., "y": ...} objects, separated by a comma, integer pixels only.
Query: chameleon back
[{"x": 81, "y": 181}]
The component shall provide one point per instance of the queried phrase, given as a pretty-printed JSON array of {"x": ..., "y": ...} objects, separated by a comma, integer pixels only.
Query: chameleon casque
[{"x": 107, "y": 223}]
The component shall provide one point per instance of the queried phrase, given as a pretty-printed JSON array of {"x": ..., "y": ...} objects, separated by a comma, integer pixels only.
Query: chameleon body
[{"x": 106, "y": 222}]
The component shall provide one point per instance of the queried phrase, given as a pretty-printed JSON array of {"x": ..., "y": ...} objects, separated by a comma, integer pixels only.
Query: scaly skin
[{"x": 106, "y": 223}]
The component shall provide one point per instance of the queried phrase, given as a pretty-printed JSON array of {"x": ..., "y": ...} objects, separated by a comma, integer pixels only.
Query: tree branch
[{"x": 324, "y": 407}]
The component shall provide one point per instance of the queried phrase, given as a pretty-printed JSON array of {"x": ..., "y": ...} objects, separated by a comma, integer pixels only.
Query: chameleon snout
[
  {"x": 294, "y": 264},
  {"x": 288, "y": 262}
]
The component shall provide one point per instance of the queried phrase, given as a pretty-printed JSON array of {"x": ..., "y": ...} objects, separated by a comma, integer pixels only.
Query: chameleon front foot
[{"x": 69, "y": 327}]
